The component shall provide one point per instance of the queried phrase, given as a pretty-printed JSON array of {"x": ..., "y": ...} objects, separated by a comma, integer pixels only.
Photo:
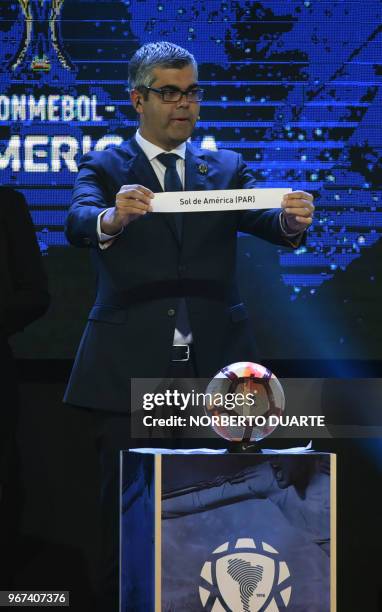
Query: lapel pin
[{"x": 202, "y": 168}]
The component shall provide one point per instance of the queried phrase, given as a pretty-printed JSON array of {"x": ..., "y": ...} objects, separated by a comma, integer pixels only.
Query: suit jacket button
[
  {"x": 171, "y": 312},
  {"x": 87, "y": 241}
]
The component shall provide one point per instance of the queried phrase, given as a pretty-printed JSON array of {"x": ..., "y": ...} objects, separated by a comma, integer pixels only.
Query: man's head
[{"x": 164, "y": 120}]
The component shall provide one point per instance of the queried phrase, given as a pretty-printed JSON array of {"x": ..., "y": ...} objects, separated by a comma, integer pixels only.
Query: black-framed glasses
[{"x": 175, "y": 95}]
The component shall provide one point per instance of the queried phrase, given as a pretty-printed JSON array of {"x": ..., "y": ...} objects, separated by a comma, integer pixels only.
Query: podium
[{"x": 227, "y": 532}]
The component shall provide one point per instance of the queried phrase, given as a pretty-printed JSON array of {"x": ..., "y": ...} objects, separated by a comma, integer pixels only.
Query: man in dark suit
[
  {"x": 148, "y": 266},
  {"x": 167, "y": 302},
  {"x": 24, "y": 298}
]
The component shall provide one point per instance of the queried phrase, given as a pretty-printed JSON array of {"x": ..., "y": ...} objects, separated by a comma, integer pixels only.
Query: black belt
[{"x": 181, "y": 352}]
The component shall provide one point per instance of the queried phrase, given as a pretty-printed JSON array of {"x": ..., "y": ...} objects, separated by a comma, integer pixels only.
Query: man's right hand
[{"x": 131, "y": 202}]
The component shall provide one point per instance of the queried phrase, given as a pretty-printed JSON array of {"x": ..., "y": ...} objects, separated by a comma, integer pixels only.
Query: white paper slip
[{"x": 218, "y": 200}]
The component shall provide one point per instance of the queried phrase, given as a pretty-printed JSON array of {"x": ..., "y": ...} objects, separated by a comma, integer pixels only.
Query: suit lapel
[
  {"x": 196, "y": 175},
  {"x": 140, "y": 167},
  {"x": 142, "y": 171},
  {"x": 196, "y": 170}
]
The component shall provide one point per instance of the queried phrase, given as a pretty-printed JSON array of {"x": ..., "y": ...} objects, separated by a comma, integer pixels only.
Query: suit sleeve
[
  {"x": 90, "y": 197},
  {"x": 253, "y": 483},
  {"x": 29, "y": 298},
  {"x": 262, "y": 223}
]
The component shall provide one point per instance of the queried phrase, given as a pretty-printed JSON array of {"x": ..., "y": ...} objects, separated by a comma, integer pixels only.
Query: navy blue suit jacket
[{"x": 144, "y": 272}]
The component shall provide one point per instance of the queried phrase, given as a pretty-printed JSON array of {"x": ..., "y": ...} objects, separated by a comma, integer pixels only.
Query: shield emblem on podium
[{"x": 245, "y": 580}]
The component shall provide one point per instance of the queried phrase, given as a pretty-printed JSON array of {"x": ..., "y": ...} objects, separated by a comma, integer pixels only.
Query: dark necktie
[{"x": 172, "y": 182}]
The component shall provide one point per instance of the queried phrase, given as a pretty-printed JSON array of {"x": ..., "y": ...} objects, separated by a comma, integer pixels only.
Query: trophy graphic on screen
[{"x": 41, "y": 43}]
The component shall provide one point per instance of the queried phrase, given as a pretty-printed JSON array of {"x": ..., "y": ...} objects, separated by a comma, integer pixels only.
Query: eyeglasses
[{"x": 175, "y": 95}]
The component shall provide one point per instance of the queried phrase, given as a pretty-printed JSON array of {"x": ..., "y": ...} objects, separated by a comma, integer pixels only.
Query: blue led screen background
[{"x": 293, "y": 86}]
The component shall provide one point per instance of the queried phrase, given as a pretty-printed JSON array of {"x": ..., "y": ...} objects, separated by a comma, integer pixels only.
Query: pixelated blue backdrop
[{"x": 293, "y": 86}]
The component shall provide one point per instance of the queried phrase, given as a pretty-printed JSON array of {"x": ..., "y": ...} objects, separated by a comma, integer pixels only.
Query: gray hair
[{"x": 160, "y": 54}]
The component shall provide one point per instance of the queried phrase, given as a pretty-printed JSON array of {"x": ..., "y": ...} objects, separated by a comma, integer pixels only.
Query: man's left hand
[{"x": 298, "y": 210}]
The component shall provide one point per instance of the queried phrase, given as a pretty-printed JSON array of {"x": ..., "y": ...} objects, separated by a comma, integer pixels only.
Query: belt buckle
[{"x": 187, "y": 347}]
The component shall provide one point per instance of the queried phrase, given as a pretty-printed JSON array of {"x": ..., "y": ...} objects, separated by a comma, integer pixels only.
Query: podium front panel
[{"x": 221, "y": 533}]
